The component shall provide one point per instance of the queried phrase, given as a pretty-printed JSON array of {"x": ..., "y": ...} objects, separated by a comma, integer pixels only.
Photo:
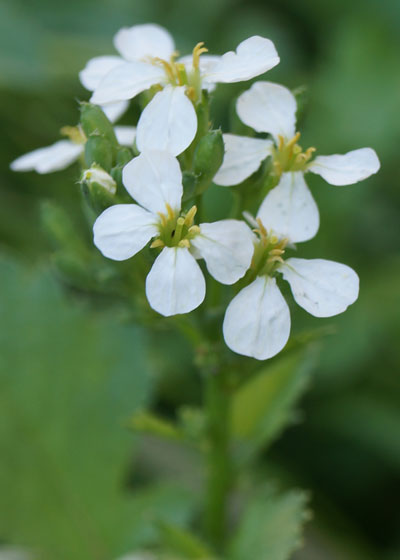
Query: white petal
[
  {"x": 348, "y": 168},
  {"x": 323, "y": 288},
  {"x": 96, "y": 69},
  {"x": 290, "y": 210},
  {"x": 123, "y": 230},
  {"x": 257, "y": 321},
  {"x": 114, "y": 111},
  {"x": 175, "y": 284},
  {"x": 168, "y": 122},
  {"x": 154, "y": 179},
  {"x": 227, "y": 247},
  {"x": 125, "y": 135},
  {"x": 242, "y": 158},
  {"x": 253, "y": 57},
  {"x": 144, "y": 41},
  {"x": 126, "y": 81},
  {"x": 268, "y": 107},
  {"x": 51, "y": 158}
]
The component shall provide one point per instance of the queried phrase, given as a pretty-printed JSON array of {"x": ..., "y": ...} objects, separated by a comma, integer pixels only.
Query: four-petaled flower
[
  {"x": 148, "y": 58},
  {"x": 175, "y": 283},
  {"x": 257, "y": 320},
  {"x": 271, "y": 108}
]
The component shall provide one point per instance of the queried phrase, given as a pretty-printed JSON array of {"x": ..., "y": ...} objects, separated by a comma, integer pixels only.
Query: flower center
[
  {"x": 268, "y": 251},
  {"x": 74, "y": 133},
  {"x": 177, "y": 74},
  {"x": 289, "y": 156},
  {"x": 176, "y": 231}
]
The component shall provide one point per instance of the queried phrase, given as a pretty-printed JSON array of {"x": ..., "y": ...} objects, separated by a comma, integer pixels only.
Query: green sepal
[
  {"x": 189, "y": 182},
  {"x": 94, "y": 121},
  {"x": 98, "y": 150},
  {"x": 208, "y": 158}
]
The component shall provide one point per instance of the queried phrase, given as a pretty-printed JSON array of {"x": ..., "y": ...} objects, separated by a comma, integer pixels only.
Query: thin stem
[{"x": 217, "y": 404}]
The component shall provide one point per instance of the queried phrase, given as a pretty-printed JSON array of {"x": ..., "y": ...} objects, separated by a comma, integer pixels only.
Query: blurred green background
[{"x": 67, "y": 380}]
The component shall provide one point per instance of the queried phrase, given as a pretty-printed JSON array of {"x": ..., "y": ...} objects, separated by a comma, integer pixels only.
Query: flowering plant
[{"x": 145, "y": 188}]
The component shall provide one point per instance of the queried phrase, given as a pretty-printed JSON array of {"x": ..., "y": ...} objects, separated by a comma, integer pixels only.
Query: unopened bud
[
  {"x": 98, "y": 151},
  {"x": 98, "y": 187},
  {"x": 94, "y": 121},
  {"x": 208, "y": 158}
]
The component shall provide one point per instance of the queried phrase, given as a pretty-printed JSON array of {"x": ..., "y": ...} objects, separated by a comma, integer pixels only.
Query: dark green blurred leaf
[{"x": 69, "y": 380}]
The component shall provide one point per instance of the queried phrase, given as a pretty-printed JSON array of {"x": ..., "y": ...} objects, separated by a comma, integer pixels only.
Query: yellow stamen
[
  {"x": 262, "y": 230},
  {"x": 194, "y": 230},
  {"x": 198, "y": 50},
  {"x": 184, "y": 243},
  {"x": 167, "y": 67},
  {"x": 190, "y": 216},
  {"x": 292, "y": 142},
  {"x": 171, "y": 213},
  {"x": 74, "y": 133},
  {"x": 157, "y": 243}
]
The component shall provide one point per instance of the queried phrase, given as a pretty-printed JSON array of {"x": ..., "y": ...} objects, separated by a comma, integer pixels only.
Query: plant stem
[{"x": 217, "y": 405}]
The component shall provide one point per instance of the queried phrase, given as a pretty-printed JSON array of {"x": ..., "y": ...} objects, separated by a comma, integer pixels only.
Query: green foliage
[
  {"x": 68, "y": 382},
  {"x": 263, "y": 406},
  {"x": 271, "y": 526}
]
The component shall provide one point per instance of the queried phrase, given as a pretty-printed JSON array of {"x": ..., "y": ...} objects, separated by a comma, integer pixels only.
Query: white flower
[
  {"x": 271, "y": 108},
  {"x": 175, "y": 283},
  {"x": 257, "y": 320},
  {"x": 148, "y": 58},
  {"x": 64, "y": 152}
]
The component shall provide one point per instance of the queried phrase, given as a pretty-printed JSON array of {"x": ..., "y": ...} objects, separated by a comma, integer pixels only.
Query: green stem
[{"x": 217, "y": 404}]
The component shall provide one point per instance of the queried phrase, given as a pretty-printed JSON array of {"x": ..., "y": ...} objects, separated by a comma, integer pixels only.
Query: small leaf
[
  {"x": 271, "y": 526},
  {"x": 263, "y": 406},
  {"x": 183, "y": 543}
]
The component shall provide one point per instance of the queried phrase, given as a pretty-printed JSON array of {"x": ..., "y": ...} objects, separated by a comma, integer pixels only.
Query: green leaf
[
  {"x": 69, "y": 380},
  {"x": 271, "y": 526},
  {"x": 182, "y": 542},
  {"x": 264, "y": 405}
]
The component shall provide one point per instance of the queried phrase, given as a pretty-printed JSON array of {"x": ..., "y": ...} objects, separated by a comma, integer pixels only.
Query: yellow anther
[
  {"x": 74, "y": 133},
  {"x": 170, "y": 212},
  {"x": 157, "y": 243},
  {"x": 167, "y": 67},
  {"x": 163, "y": 218},
  {"x": 261, "y": 226},
  {"x": 190, "y": 216},
  {"x": 194, "y": 230},
  {"x": 184, "y": 243},
  {"x": 281, "y": 142},
  {"x": 292, "y": 142},
  {"x": 273, "y": 239},
  {"x": 198, "y": 50}
]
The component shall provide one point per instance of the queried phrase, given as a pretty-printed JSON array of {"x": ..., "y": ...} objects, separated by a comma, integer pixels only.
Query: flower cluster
[{"x": 171, "y": 157}]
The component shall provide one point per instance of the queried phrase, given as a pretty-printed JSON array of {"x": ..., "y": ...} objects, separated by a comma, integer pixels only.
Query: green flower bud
[
  {"x": 208, "y": 158},
  {"x": 94, "y": 121},
  {"x": 98, "y": 187},
  {"x": 124, "y": 155},
  {"x": 98, "y": 151}
]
